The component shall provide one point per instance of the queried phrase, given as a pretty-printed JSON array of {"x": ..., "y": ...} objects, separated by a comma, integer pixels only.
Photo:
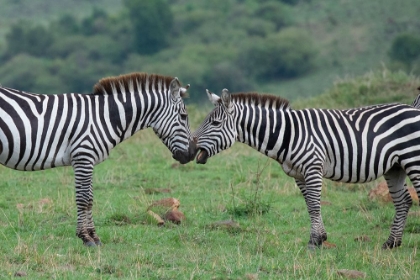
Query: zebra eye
[
  {"x": 216, "y": 122},
  {"x": 184, "y": 116}
]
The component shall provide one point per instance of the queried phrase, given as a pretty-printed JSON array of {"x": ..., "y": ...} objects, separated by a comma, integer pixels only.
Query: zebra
[
  {"x": 416, "y": 102},
  {"x": 354, "y": 146},
  {"x": 39, "y": 131}
]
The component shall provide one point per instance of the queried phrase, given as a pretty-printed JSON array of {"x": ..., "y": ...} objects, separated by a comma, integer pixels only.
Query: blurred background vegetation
[{"x": 293, "y": 48}]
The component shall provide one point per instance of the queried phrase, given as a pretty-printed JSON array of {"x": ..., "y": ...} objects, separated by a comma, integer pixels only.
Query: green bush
[
  {"x": 25, "y": 38},
  {"x": 65, "y": 25},
  {"x": 66, "y": 46},
  {"x": 79, "y": 73},
  {"x": 377, "y": 87},
  {"x": 151, "y": 22},
  {"x": 276, "y": 12},
  {"x": 257, "y": 27},
  {"x": 28, "y": 73},
  {"x": 227, "y": 75},
  {"x": 286, "y": 54},
  {"x": 95, "y": 24},
  {"x": 405, "y": 48}
]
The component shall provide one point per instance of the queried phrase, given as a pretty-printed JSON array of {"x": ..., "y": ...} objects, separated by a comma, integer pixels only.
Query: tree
[
  {"x": 28, "y": 73},
  {"x": 405, "y": 48},
  {"x": 151, "y": 21},
  {"x": 286, "y": 54},
  {"x": 23, "y": 38},
  {"x": 277, "y": 13}
]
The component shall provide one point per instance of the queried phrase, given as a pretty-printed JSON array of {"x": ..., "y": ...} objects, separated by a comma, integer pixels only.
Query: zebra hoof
[
  {"x": 390, "y": 245},
  {"x": 90, "y": 244},
  {"x": 98, "y": 243},
  {"x": 313, "y": 247}
]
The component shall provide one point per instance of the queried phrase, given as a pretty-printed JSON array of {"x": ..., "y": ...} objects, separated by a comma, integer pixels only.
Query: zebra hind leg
[{"x": 395, "y": 179}]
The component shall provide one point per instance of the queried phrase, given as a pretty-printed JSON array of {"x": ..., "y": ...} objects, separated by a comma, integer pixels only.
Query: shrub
[
  {"x": 405, "y": 48},
  {"x": 23, "y": 38},
  {"x": 257, "y": 27},
  {"x": 152, "y": 22},
  {"x": 382, "y": 86},
  {"x": 19, "y": 73},
  {"x": 286, "y": 54},
  {"x": 275, "y": 12},
  {"x": 65, "y": 25},
  {"x": 227, "y": 75}
]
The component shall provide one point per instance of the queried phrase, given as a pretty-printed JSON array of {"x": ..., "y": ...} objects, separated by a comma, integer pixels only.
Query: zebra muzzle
[{"x": 187, "y": 155}]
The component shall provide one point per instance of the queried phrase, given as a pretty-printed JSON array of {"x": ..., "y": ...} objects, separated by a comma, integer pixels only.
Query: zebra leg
[
  {"x": 90, "y": 224},
  {"x": 321, "y": 228},
  {"x": 312, "y": 194},
  {"x": 395, "y": 179},
  {"x": 83, "y": 171}
]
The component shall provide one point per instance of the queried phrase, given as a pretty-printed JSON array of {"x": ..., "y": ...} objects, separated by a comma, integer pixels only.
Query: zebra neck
[
  {"x": 265, "y": 129},
  {"x": 125, "y": 114}
]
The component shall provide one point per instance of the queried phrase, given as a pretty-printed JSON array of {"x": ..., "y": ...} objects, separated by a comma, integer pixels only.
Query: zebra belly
[
  {"x": 332, "y": 172},
  {"x": 35, "y": 160},
  {"x": 351, "y": 174}
]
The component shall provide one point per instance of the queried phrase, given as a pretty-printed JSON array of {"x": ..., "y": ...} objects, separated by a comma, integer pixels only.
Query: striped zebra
[
  {"x": 416, "y": 102},
  {"x": 354, "y": 146},
  {"x": 39, "y": 131}
]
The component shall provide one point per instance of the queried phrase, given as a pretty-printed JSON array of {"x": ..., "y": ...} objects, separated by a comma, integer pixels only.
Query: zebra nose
[{"x": 195, "y": 139}]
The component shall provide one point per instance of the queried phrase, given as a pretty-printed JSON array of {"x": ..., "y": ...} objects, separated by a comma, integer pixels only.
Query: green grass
[
  {"x": 38, "y": 217},
  {"x": 38, "y": 214}
]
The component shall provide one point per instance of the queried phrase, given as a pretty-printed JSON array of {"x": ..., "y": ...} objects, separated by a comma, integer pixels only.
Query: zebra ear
[
  {"x": 213, "y": 97},
  {"x": 226, "y": 100},
  {"x": 174, "y": 88}
]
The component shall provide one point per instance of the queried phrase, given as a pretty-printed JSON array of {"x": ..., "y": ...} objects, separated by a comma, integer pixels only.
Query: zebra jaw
[{"x": 202, "y": 157}]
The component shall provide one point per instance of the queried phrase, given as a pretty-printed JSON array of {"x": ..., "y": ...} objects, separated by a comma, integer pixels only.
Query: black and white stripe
[
  {"x": 355, "y": 146},
  {"x": 416, "y": 102},
  {"x": 39, "y": 131}
]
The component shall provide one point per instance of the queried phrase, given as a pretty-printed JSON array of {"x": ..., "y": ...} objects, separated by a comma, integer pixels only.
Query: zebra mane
[
  {"x": 275, "y": 102},
  {"x": 136, "y": 80}
]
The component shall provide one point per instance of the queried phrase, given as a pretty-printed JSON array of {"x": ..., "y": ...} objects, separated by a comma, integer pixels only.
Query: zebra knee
[{"x": 408, "y": 201}]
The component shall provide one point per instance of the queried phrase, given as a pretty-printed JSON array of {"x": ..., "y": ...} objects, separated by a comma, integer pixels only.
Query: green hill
[{"x": 296, "y": 49}]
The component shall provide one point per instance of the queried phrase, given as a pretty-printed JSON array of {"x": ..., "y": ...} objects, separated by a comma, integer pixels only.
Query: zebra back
[{"x": 39, "y": 131}]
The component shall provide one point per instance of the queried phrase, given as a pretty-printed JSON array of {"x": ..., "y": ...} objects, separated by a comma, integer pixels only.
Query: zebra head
[
  {"x": 172, "y": 125},
  {"x": 218, "y": 131}
]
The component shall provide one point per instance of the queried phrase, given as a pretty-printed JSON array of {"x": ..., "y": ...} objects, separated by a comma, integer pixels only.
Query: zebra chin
[{"x": 202, "y": 157}]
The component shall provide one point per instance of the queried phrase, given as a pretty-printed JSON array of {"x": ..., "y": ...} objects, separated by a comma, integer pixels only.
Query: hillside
[
  {"x": 353, "y": 37},
  {"x": 232, "y": 43},
  {"x": 46, "y": 10}
]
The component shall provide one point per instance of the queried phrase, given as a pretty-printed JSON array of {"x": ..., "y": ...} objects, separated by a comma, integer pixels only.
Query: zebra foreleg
[
  {"x": 83, "y": 172},
  {"x": 90, "y": 224},
  {"x": 311, "y": 191},
  {"x": 395, "y": 179}
]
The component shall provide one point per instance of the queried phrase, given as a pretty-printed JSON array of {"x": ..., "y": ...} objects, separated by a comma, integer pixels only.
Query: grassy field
[{"x": 38, "y": 218}]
